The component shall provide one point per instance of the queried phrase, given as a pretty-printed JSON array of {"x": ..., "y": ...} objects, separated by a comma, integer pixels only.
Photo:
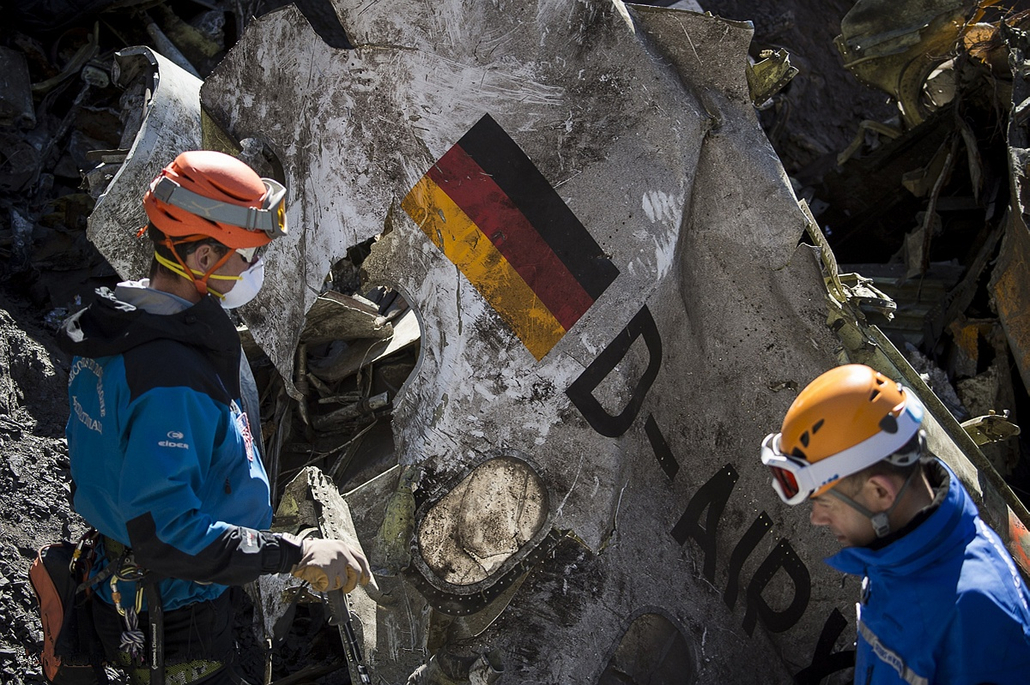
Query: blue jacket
[
  {"x": 162, "y": 456},
  {"x": 943, "y": 604}
]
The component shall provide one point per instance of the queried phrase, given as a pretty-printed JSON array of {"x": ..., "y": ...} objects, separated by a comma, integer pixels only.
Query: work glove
[{"x": 331, "y": 565}]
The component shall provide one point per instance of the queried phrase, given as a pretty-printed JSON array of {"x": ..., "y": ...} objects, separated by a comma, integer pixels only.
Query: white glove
[{"x": 331, "y": 565}]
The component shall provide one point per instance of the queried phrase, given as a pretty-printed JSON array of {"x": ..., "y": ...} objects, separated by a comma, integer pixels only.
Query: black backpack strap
[
  {"x": 102, "y": 576},
  {"x": 89, "y": 640},
  {"x": 78, "y": 624}
]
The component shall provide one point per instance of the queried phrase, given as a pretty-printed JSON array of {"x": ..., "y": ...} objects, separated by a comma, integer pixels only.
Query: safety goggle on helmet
[
  {"x": 270, "y": 217},
  {"x": 203, "y": 192},
  {"x": 845, "y": 420}
]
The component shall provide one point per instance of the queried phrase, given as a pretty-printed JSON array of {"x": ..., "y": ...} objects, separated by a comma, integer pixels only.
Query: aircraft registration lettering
[{"x": 709, "y": 502}]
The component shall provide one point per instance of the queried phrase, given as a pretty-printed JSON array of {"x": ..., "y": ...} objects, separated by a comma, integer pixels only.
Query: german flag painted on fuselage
[{"x": 495, "y": 216}]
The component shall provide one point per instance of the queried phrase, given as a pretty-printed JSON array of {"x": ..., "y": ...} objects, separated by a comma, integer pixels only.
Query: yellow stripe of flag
[{"x": 484, "y": 266}]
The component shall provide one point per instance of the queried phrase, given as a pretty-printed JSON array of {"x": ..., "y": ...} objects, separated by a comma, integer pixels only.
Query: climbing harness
[{"x": 133, "y": 642}]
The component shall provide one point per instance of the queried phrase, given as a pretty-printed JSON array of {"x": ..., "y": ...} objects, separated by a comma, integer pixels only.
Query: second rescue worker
[{"x": 942, "y": 601}]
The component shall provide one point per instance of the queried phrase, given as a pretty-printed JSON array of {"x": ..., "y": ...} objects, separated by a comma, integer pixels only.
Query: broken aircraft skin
[
  {"x": 602, "y": 248},
  {"x": 594, "y": 369}
]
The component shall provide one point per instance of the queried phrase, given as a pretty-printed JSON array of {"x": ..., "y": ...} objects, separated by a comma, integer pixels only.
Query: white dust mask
[{"x": 247, "y": 287}]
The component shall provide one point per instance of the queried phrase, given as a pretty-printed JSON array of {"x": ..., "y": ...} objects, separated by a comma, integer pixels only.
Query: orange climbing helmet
[
  {"x": 210, "y": 194},
  {"x": 847, "y": 419}
]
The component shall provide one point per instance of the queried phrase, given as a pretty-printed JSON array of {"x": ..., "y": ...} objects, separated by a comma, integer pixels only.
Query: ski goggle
[
  {"x": 796, "y": 479},
  {"x": 793, "y": 477},
  {"x": 270, "y": 217}
]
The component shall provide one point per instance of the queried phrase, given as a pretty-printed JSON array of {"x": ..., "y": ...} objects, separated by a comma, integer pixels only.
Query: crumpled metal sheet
[
  {"x": 895, "y": 46},
  {"x": 335, "y": 316},
  {"x": 641, "y": 420},
  {"x": 171, "y": 124}
]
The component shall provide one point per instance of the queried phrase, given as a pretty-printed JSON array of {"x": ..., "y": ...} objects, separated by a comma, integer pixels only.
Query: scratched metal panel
[
  {"x": 171, "y": 124},
  {"x": 640, "y": 417}
]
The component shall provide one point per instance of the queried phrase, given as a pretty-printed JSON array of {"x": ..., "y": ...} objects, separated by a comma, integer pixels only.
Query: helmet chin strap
[
  {"x": 191, "y": 274},
  {"x": 880, "y": 521}
]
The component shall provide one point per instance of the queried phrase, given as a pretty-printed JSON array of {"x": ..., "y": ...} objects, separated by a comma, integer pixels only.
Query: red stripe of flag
[{"x": 500, "y": 220}]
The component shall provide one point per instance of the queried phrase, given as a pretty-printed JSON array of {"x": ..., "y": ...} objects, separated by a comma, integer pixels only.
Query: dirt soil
[{"x": 816, "y": 117}]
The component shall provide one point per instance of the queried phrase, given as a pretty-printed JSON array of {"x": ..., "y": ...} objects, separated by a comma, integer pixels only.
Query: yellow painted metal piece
[
  {"x": 895, "y": 46},
  {"x": 395, "y": 532},
  {"x": 478, "y": 259},
  {"x": 966, "y": 337},
  {"x": 990, "y": 428}
]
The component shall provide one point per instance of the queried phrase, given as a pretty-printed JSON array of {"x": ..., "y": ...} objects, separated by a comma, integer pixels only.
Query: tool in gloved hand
[
  {"x": 328, "y": 563},
  {"x": 331, "y": 565}
]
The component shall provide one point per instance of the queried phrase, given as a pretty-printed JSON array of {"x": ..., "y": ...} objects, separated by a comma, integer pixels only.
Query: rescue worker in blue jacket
[
  {"x": 942, "y": 601},
  {"x": 163, "y": 429}
]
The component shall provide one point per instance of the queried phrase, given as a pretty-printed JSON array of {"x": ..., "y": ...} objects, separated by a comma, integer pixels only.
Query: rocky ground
[{"x": 35, "y": 484}]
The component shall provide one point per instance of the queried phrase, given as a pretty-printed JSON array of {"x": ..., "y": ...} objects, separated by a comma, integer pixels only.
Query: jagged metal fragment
[
  {"x": 335, "y": 316},
  {"x": 990, "y": 428},
  {"x": 769, "y": 76},
  {"x": 895, "y": 46},
  {"x": 312, "y": 502},
  {"x": 171, "y": 123},
  {"x": 360, "y": 353}
]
